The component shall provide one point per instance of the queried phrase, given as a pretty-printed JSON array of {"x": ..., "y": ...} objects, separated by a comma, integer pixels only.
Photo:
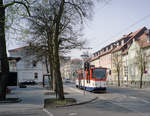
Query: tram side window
[
  {"x": 81, "y": 75},
  {"x": 92, "y": 73},
  {"x": 86, "y": 76},
  {"x": 89, "y": 76}
]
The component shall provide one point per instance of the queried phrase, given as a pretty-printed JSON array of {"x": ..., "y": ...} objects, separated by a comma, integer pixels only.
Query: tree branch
[{"x": 18, "y": 2}]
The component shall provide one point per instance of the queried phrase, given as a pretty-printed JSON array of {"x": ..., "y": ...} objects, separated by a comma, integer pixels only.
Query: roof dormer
[{"x": 147, "y": 32}]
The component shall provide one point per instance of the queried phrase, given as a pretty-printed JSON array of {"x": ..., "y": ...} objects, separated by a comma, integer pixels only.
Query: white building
[{"x": 27, "y": 67}]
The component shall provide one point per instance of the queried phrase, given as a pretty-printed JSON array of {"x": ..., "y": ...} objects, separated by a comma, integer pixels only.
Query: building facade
[
  {"x": 123, "y": 49},
  {"x": 139, "y": 53},
  {"x": 28, "y": 68},
  {"x": 70, "y": 68}
]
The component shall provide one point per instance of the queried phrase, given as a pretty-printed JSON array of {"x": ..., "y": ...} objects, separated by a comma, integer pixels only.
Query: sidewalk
[
  {"x": 71, "y": 109},
  {"x": 31, "y": 104},
  {"x": 77, "y": 94},
  {"x": 132, "y": 87}
]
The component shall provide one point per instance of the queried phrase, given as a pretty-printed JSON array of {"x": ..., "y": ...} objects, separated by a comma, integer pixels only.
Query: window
[
  {"x": 148, "y": 38},
  {"x": 34, "y": 63},
  {"x": 27, "y": 63},
  {"x": 100, "y": 73},
  {"x": 104, "y": 49},
  {"x": 119, "y": 43},
  {"x": 125, "y": 71},
  {"x": 92, "y": 71},
  {"x": 132, "y": 70},
  {"x": 36, "y": 75}
]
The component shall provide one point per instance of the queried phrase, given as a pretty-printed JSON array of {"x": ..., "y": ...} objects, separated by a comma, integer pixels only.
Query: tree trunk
[
  {"x": 52, "y": 83},
  {"x": 59, "y": 84},
  {"x": 51, "y": 60},
  {"x": 3, "y": 54},
  {"x": 118, "y": 78},
  {"x": 141, "y": 80},
  {"x": 46, "y": 63}
]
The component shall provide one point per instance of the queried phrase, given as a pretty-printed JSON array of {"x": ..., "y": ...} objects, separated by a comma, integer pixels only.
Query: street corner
[{"x": 11, "y": 100}]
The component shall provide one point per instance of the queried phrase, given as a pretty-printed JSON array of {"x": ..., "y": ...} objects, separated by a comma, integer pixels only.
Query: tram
[{"x": 92, "y": 79}]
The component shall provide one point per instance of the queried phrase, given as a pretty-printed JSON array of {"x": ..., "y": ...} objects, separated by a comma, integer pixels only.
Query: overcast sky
[{"x": 111, "y": 21}]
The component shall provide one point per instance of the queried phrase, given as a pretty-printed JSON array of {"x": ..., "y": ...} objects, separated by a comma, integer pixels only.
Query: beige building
[
  {"x": 118, "y": 50},
  {"x": 140, "y": 49},
  {"x": 69, "y": 69}
]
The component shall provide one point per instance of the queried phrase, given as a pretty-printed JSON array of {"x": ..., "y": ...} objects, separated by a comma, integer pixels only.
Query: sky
[{"x": 111, "y": 20}]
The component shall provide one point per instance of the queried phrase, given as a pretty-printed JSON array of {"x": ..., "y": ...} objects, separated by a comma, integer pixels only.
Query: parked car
[
  {"x": 29, "y": 82},
  {"x": 67, "y": 81},
  {"x": 21, "y": 85}
]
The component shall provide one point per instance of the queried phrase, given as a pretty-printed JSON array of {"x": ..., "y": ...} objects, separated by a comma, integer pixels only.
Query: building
[
  {"x": 139, "y": 53},
  {"x": 117, "y": 52},
  {"x": 103, "y": 58},
  {"x": 70, "y": 68},
  {"x": 28, "y": 68},
  {"x": 12, "y": 63}
]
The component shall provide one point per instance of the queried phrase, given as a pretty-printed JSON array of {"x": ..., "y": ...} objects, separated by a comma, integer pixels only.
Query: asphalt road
[{"x": 116, "y": 102}]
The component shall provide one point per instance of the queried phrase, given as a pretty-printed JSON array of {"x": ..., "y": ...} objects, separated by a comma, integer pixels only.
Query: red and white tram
[{"x": 93, "y": 79}]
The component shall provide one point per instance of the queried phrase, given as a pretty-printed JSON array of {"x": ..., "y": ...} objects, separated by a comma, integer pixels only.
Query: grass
[
  {"x": 53, "y": 93},
  {"x": 52, "y": 102}
]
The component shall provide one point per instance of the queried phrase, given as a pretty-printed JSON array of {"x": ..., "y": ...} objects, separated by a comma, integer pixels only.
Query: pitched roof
[
  {"x": 16, "y": 49},
  {"x": 14, "y": 58},
  {"x": 134, "y": 35},
  {"x": 129, "y": 37},
  {"x": 142, "y": 41}
]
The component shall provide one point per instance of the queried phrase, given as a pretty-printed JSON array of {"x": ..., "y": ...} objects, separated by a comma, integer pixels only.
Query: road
[{"x": 116, "y": 102}]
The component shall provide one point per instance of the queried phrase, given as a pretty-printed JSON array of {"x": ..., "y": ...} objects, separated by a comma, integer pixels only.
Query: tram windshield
[{"x": 100, "y": 73}]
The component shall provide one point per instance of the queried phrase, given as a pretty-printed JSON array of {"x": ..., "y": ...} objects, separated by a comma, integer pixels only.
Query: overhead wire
[{"x": 130, "y": 26}]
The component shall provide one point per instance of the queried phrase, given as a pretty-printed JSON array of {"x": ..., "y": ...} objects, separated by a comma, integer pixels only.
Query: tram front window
[{"x": 100, "y": 73}]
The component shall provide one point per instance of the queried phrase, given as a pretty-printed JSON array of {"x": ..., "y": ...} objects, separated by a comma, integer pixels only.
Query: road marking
[
  {"x": 72, "y": 114},
  {"x": 132, "y": 97},
  {"x": 49, "y": 113},
  {"x": 145, "y": 101}
]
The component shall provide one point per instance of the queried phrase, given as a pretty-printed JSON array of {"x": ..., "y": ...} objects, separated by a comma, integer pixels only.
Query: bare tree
[
  {"x": 3, "y": 53},
  {"x": 117, "y": 64},
  {"x": 61, "y": 32},
  {"x": 141, "y": 63}
]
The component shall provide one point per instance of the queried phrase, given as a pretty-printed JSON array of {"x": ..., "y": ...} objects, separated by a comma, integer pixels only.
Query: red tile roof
[
  {"x": 130, "y": 37},
  {"x": 142, "y": 41}
]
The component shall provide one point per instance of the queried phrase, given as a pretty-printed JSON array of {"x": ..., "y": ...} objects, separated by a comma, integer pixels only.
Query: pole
[
  {"x": 84, "y": 57},
  {"x": 84, "y": 82}
]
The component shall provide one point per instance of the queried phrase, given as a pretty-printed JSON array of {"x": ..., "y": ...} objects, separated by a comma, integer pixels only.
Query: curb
[
  {"x": 79, "y": 103},
  {"x": 11, "y": 101}
]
